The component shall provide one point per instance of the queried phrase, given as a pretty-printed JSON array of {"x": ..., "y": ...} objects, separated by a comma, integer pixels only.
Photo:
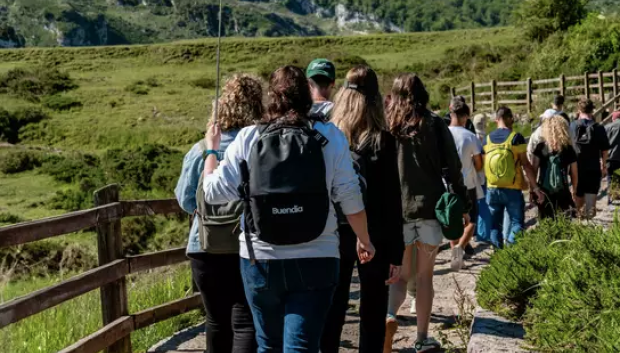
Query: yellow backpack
[{"x": 500, "y": 164}]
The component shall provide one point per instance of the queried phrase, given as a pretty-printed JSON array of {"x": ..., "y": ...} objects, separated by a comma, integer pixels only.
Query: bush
[
  {"x": 152, "y": 82},
  {"x": 137, "y": 234},
  {"x": 17, "y": 162},
  {"x": 71, "y": 200},
  {"x": 204, "y": 82},
  {"x": 539, "y": 19},
  {"x": 9, "y": 218},
  {"x": 570, "y": 288},
  {"x": 32, "y": 84},
  {"x": 138, "y": 87},
  {"x": 12, "y": 122},
  {"x": 60, "y": 103}
]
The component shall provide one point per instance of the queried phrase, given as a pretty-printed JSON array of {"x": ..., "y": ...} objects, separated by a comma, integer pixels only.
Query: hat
[
  {"x": 322, "y": 67},
  {"x": 480, "y": 123},
  {"x": 549, "y": 113}
]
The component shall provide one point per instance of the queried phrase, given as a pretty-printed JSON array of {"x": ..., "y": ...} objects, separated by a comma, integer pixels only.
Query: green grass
[{"x": 65, "y": 324}]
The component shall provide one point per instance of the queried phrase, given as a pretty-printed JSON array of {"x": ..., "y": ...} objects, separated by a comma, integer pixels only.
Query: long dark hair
[
  {"x": 407, "y": 106},
  {"x": 289, "y": 99}
]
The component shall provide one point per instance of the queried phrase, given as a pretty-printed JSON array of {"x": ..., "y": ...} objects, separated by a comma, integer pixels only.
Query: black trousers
[
  {"x": 374, "y": 299},
  {"x": 229, "y": 320}
]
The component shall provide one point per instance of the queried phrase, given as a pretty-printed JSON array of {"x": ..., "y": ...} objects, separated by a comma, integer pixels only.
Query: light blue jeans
[{"x": 511, "y": 202}]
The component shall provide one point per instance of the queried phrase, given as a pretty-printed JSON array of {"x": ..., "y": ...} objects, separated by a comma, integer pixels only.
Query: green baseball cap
[{"x": 321, "y": 67}]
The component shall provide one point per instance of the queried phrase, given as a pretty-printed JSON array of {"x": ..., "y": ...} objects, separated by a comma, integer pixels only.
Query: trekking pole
[{"x": 217, "y": 65}]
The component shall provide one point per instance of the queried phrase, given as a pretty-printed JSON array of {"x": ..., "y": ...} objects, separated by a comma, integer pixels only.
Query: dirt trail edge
[{"x": 454, "y": 296}]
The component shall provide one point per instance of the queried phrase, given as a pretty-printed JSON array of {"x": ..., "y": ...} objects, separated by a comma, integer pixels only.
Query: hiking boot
[
  {"x": 391, "y": 326},
  {"x": 457, "y": 258},
  {"x": 429, "y": 345}
]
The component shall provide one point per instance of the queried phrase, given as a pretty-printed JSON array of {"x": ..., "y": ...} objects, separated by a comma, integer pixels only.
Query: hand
[
  {"x": 540, "y": 196},
  {"x": 604, "y": 170},
  {"x": 466, "y": 219},
  {"x": 394, "y": 275},
  {"x": 213, "y": 136},
  {"x": 365, "y": 252}
]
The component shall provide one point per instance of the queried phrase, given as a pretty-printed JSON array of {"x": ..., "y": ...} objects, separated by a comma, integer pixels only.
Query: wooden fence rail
[
  {"x": 109, "y": 276},
  {"x": 599, "y": 86}
]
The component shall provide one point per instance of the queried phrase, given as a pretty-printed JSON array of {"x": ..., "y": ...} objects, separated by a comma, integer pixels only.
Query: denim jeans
[
  {"x": 290, "y": 300},
  {"x": 483, "y": 224},
  {"x": 512, "y": 202}
]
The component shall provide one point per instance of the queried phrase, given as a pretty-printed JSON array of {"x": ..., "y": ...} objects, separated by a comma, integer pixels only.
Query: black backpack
[
  {"x": 584, "y": 133},
  {"x": 218, "y": 225},
  {"x": 284, "y": 190}
]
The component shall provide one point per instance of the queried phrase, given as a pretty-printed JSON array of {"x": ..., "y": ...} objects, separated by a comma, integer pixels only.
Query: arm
[
  {"x": 604, "y": 157},
  {"x": 574, "y": 178},
  {"x": 478, "y": 163},
  {"x": 188, "y": 181},
  {"x": 530, "y": 174},
  {"x": 533, "y": 143}
]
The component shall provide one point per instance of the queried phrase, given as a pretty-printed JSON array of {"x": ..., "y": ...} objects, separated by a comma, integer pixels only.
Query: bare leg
[
  {"x": 425, "y": 293},
  {"x": 467, "y": 235},
  {"x": 398, "y": 291}
]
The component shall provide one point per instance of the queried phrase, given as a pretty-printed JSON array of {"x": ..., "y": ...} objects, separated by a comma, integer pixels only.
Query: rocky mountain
[{"x": 111, "y": 22}]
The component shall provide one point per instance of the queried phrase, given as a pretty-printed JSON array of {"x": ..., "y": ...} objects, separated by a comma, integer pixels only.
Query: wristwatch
[{"x": 206, "y": 154}]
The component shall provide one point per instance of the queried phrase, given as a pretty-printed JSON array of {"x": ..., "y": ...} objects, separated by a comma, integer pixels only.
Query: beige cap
[{"x": 480, "y": 123}]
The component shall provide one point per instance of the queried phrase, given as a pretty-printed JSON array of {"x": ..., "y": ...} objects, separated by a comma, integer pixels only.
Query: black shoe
[{"x": 469, "y": 250}]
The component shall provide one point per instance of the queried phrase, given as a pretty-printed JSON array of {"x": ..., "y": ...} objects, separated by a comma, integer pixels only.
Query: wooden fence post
[
  {"x": 601, "y": 87},
  {"x": 563, "y": 85},
  {"x": 453, "y": 91},
  {"x": 529, "y": 94},
  {"x": 493, "y": 95},
  {"x": 110, "y": 248},
  {"x": 586, "y": 85},
  {"x": 615, "y": 88},
  {"x": 473, "y": 96}
]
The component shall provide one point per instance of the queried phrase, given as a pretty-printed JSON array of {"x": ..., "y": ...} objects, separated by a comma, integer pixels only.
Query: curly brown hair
[
  {"x": 241, "y": 102},
  {"x": 289, "y": 99}
]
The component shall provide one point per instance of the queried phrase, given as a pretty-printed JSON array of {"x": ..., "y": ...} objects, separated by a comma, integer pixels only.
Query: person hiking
[
  {"x": 289, "y": 171},
  {"x": 426, "y": 154},
  {"x": 613, "y": 160},
  {"x": 536, "y": 137},
  {"x": 469, "y": 125},
  {"x": 469, "y": 149},
  {"x": 215, "y": 263},
  {"x": 483, "y": 224},
  {"x": 592, "y": 151},
  {"x": 358, "y": 113},
  {"x": 321, "y": 74},
  {"x": 505, "y": 156},
  {"x": 554, "y": 161}
]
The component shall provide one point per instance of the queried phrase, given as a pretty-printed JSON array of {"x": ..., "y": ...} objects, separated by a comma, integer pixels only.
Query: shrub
[
  {"x": 71, "y": 200},
  {"x": 204, "y": 82},
  {"x": 32, "y": 84},
  {"x": 17, "y": 162},
  {"x": 539, "y": 19},
  {"x": 152, "y": 82},
  {"x": 137, "y": 234},
  {"x": 60, "y": 103},
  {"x": 9, "y": 218},
  {"x": 12, "y": 122},
  {"x": 138, "y": 87}
]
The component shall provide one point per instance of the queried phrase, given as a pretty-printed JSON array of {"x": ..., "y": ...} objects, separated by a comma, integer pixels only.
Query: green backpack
[
  {"x": 500, "y": 166},
  {"x": 218, "y": 225},
  {"x": 449, "y": 212},
  {"x": 554, "y": 180}
]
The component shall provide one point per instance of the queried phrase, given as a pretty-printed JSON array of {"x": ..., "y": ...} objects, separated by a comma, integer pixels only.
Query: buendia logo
[{"x": 286, "y": 211}]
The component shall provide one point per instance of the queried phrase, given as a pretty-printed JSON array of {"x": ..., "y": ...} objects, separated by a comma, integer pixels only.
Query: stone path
[{"x": 450, "y": 290}]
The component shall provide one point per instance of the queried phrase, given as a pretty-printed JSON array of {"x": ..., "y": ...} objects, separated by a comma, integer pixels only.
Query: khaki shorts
[{"x": 426, "y": 231}]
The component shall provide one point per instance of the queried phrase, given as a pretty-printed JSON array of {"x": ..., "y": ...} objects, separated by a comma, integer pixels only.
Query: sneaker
[
  {"x": 412, "y": 308},
  {"x": 457, "y": 258},
  {"x": 391, "y": 326},
  {"x": 429, "y": 345},
  {"x": 469, "y": 250}
]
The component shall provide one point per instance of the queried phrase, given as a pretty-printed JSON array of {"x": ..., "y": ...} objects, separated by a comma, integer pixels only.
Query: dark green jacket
[{"x": 425, "y": 156}]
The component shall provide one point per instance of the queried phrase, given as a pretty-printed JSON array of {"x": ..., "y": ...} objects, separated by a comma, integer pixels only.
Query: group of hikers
[{"x": 290, "y": 197}]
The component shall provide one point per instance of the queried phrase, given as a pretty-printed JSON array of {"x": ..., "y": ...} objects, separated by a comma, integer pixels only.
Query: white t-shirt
[{"x": 468, "y": 145}]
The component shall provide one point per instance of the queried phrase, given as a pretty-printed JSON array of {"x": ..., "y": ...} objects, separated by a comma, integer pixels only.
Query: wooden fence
[
  {"x": 109, "y": 276},
  {"x": 524, "y": 94}
]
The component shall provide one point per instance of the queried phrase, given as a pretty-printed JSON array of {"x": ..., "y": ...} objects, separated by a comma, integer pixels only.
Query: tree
[{"x": 541, "y": 18}]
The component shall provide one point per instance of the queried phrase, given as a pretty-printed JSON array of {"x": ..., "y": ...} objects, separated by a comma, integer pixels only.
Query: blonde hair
[
  {"x": 555, "y": 133},
  {"x": 241, "y": 102},
  {"x": 358, "y": 108}
]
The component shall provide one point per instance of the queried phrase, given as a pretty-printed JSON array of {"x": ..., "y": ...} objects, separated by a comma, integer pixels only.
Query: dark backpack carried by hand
[
  {"x": 218, "y": 225},
  {"x": 584, "y": 133},
  {"x": 284, "y": 189},
  {"x": 555, "y": 179}
]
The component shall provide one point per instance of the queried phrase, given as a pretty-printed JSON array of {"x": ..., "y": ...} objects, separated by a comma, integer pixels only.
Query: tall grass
[{"x": 65, "y": 324}]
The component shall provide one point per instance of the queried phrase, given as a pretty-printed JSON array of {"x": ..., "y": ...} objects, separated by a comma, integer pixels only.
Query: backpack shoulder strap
[{"x": 511, "y": 137}]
